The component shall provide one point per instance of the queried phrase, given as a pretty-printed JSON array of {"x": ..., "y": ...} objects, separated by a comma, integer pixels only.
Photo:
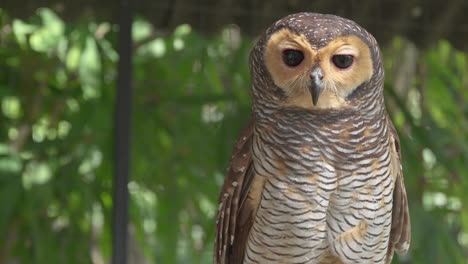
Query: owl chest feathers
[
  {"x": 321, "y": 181},
  {"x": 296, "y": 146}
]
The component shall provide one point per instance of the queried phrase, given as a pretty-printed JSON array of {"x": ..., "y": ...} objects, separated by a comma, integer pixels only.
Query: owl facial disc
[{"x": 316, "y": 62}]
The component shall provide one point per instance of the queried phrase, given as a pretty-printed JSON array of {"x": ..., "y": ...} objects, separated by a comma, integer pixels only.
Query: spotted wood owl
[{"x": 316, "y": 176}]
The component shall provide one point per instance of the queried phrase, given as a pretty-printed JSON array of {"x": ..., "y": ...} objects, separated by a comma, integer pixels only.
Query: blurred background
[{"x": 58, "y": 70}]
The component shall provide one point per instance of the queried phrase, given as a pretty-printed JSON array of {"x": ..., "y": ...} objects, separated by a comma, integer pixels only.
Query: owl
[{"x": 316, "y": 176}]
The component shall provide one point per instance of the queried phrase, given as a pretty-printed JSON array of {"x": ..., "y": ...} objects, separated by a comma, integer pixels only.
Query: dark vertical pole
[{"x": 122, "y": 147}]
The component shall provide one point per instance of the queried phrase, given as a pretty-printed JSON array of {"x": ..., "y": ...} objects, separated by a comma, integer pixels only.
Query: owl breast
[
  {"x": 290, "y": 225},
  {"x": 327, "y": 195}
]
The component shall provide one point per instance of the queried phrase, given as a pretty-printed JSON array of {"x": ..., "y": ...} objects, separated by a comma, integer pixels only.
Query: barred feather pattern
[
  {"x": 328, "y": 191},
  {"x": 327, "y": 177},
  {"x": 328, "y": 188}
]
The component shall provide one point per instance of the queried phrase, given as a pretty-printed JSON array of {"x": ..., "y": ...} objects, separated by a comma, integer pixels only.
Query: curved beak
[{"x": 316, "y": 84}]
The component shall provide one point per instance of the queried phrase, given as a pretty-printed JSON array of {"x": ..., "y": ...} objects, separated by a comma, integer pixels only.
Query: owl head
[{"x": 315, "y": 61}]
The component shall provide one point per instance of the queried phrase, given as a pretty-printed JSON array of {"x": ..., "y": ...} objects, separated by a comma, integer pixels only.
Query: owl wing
[
  {"x": 238, "y": 204},
  {"x": 400, "y": 234}
]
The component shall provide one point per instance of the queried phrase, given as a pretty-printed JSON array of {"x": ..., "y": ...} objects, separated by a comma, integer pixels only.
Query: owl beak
[{"x": 316, "y": 84}]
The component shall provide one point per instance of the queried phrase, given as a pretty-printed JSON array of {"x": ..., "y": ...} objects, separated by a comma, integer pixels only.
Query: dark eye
[
  {"x": 343, "y": 61},
  {"x": 293, "y": 58}
]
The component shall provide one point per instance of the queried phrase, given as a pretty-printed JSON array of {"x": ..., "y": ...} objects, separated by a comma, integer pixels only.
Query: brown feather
[
  {"x": 252, "y": 190},
  {"x": 281, "y": 95},
  {"x": 400, "y": 234},
  {"x": 237, "y": 203}
]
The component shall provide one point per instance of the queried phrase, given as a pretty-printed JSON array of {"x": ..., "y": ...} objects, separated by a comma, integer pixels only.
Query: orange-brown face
[{"x": 317, "y": 78}]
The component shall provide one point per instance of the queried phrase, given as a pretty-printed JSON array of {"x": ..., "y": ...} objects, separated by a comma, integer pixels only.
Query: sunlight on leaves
[
  {"x": 178, "y": 44},
  {"x": 97, "y": 216},
  {"x": 22, "y": 30},
  {"x": 156, "y": 48},
  {"x": 63, "y": 129},
  {"x": 429, "y": 158},
  {"x": 40, "y": 130},
  {"x": 90, "y": 70},
  {"x": 414, "y": 107},
  {"x": 73, "y": 57},
  {"x": 11, "y": 107},
  {"x": 197, "y": 236},
  {"x": 12, "y": 133},
  {"x": 182, "y": 30},
  {"x": 73, "y": 105},
  {"x": 211, "y": 113},
  {"x": 4, "y": 149},
  {"x": 207, "y": 206},
  {"x": 141, "y": 30},
  {"x": 90, "y": 163},
  {"x": 49, "y": 34},
  {"x": 36, "y": 173},
  {"x": 9, "y": 163}
]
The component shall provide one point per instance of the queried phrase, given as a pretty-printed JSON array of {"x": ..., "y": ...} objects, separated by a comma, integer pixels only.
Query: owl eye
[
  {"x": 343, "y": 61},
  {"x": 292, "y": 57}
]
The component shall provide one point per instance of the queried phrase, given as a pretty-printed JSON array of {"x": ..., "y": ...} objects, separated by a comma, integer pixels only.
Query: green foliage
[
  {"x": 191, "y": 99},
  {"x": 56, "y": 91}
]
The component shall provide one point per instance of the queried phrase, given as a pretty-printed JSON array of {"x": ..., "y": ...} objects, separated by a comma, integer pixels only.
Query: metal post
[{"x": 122, "y": 147}]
